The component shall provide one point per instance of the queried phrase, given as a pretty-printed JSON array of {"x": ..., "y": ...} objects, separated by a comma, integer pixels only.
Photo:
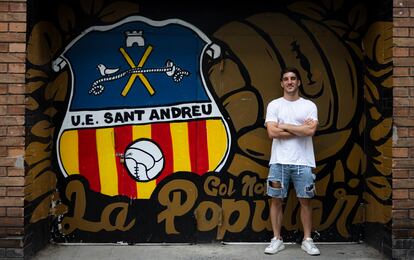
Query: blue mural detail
[{"x": 101, "y": 71}]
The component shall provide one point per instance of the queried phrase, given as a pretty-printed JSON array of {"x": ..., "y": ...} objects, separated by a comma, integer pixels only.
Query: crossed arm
[{"x": 284, "y": 131}]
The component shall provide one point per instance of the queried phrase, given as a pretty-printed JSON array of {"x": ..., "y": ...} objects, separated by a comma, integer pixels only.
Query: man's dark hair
[{"x": 290, "y": 69}]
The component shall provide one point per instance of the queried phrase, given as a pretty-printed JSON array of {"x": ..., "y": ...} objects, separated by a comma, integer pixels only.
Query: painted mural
[{"x": 146, "y": 121}]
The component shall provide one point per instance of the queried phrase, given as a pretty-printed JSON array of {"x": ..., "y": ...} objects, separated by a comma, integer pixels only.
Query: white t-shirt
[{"x": 297, "y": 150}]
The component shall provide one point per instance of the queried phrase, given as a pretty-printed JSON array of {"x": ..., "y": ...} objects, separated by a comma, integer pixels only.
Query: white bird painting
[{"x": 106, "y": 71}]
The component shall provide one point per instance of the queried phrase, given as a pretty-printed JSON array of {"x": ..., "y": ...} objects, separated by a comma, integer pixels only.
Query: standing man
[{"x": 291, "y": 121}]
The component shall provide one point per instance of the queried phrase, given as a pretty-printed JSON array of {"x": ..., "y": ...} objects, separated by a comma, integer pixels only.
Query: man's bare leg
[
  {"x": 276, "y": 216},
  {"x": 306, "y": 216}
]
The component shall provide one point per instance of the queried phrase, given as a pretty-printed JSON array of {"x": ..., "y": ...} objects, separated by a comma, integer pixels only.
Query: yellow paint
[
  {"x": 179, "y": 135},
  {"x": 216, "y": 142},
  {"x": 127, "y": 58},
  {"x": 141, "y": 76},
  {"x": 129, "y": 85},
  {"x": 146, "y": 83},
  {"x": 106, "y": 158},
  {"x": 145, "y": 189},
  {"x": 145, "y": 56},
  {"x": 69, "y": 152}
]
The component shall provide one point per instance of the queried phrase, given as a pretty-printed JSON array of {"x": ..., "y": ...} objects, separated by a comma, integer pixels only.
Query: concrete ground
[{"x": 201, "y": 251}]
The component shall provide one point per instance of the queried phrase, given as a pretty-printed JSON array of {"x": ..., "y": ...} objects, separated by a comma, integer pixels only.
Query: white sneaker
[
  {"x": 275, "y": 246},
  {"x": 309, "y": 247}
]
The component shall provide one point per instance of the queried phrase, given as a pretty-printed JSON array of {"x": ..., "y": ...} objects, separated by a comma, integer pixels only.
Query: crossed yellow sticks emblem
[
  {"x": 171, "y": 69},
  {"x": 141, "y": 76}
]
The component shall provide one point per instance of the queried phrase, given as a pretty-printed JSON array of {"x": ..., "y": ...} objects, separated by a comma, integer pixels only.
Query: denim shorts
[{"x": 302, "y": 177}]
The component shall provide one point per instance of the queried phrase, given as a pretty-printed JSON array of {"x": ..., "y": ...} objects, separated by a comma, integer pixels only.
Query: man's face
[{"x": 290, "y": 83}]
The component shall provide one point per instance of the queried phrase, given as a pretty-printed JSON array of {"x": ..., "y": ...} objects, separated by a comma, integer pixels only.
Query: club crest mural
[
  {"x": 147, "y": 121},
  {"x": 140, "y": 109}
]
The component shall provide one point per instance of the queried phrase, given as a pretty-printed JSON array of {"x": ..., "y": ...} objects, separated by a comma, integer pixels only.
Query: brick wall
[
  {"x": 12, "y": 109},
  {"x": 403, "y": 135}
]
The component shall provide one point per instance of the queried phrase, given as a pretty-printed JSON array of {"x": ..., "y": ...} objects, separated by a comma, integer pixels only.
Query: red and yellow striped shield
[{"x": 196, "y": 146}]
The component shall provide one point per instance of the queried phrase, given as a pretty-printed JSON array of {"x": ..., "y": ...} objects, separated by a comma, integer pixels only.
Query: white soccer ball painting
[{"x": 144, "y": 160}]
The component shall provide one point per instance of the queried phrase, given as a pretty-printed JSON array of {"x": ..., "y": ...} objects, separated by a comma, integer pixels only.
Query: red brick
[
  {"x": 16, "y": 110},
  {"x": 3, "y": 89},
  {"x": 4, "y": 27},
  {"x": 15, "y": 191},
  {"x": 15, "y": 212},
  {"x": 14, "y": 17},
  {"x": 15, "y": 57},
  {"x": 397, "y": 102},
  {"x": 401, "y": 111},
  {"x": 3, "y": 151},
  {"x": 404, "y": 62},
  {"x": 403, "y": 184},
  {"x": 401, "y": 71},
  {"x": 15, "y": 131},
  {"x": 13, "y": 78},
  {"x": 3, "y": 171},
  {"x": 402, "y": 131},
  {"x": 403, "y": 142},
  {"x": 401, "y": 12},
  {"x": 2, "y": 212},
  {"x": 11, "y": 120},
  {"x": 3, "y": 110},
  {"x": 400, "y": 91},
  {"x": 403, "y": 81},
  {"x": 401, "y": 32},
  {"x": 4, "y": 7},
  {"x": 3, "y": 67},
  {"x": 4, "y": 47},
  {"x": 404, "y": 121},
  {"x": 17, "y": 68},
  {"x": 403, "y": 3},
  {"x": 411, "y": 214},
  {"x": 403, "y": 22},
  {"x": 400, "y": 174},
  {"x": 17, "y": 47},
  {"x": 403, "y": 42},
  {"x": 403, "y": 204},
  {"x": 11, "y": 181},
  {"x": 11, "y": 222},
  {"x": 400, "y": 152},
  {"x": 403, "y": 163},
  {"x": 13, "y": 37},
  {"x": 400, "y": 214},
  {"x": 400, "y": 194},
  {"x": 12, "y": 202},
  {"x": 15, "y": 152},
  {"x": 15, "y": 141},
  {"x": 12, "y": 99},
  {"x": 6, "y": 161},
  {"x": 12, "y": 171},
  {"x": 411, "y": 194},
  {"x": 17, "y": 27},
  {"x": 17, "y": 7},
  {"x": 2, "y": 191},
  {"x": 15, "y": 231},
  {"x": 16, "y": 88}
]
